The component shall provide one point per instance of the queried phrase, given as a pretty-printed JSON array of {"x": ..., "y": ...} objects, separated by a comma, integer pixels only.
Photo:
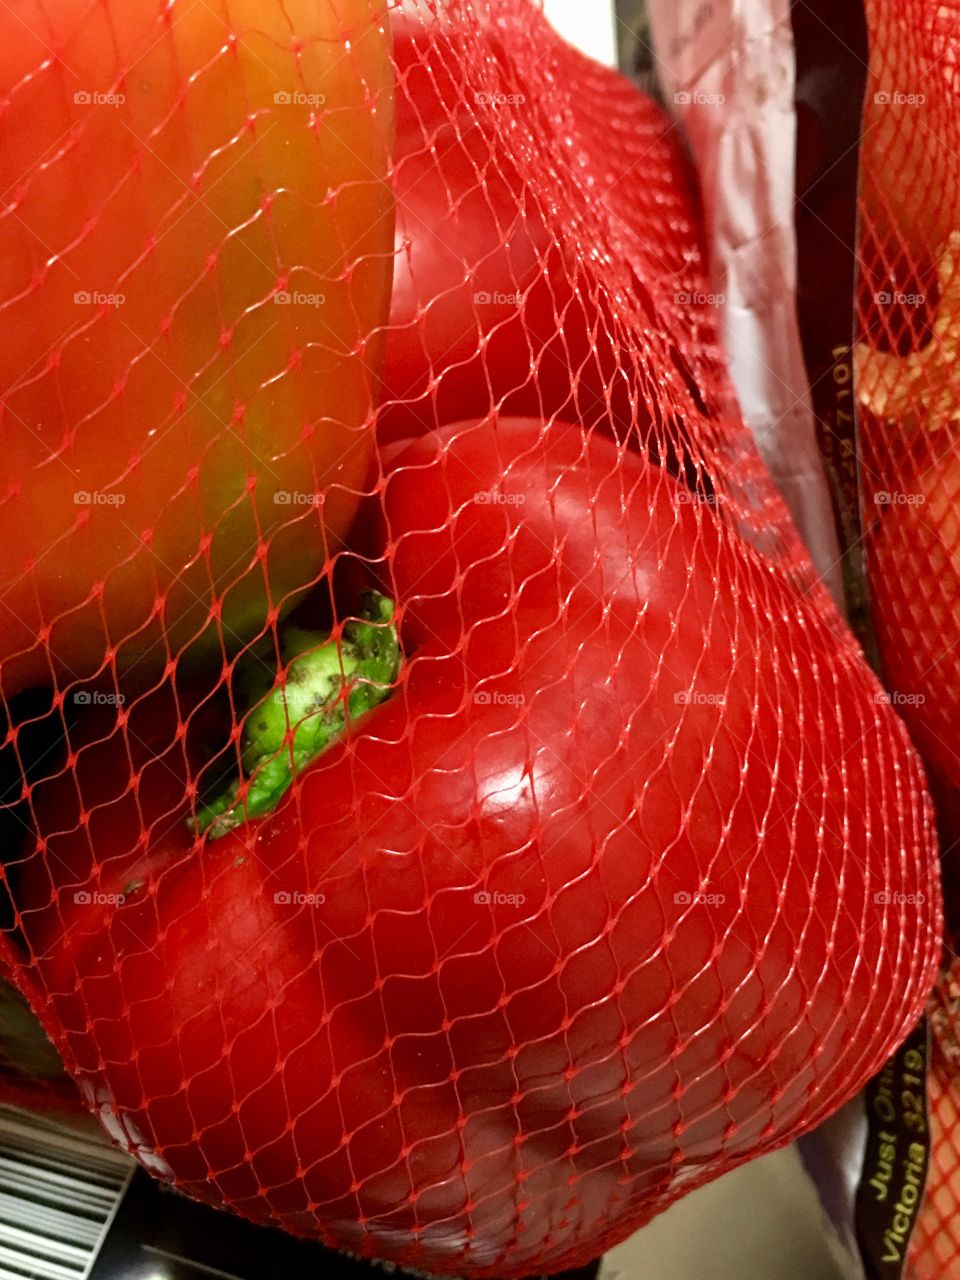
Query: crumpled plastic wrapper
[{"x": 727, "y": 70}]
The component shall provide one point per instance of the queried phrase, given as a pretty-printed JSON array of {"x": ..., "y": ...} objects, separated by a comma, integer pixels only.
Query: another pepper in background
[
  {"x": 196, "y": 246},
  {"x": 491, "y": 310}
]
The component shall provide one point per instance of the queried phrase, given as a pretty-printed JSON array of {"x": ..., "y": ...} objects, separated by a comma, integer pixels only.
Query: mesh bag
[
  {"x": 446, "y": 816},
  {"x": 909, "y": 320}
]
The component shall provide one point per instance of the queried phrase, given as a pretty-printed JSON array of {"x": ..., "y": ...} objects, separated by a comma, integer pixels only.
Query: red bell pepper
[
  {"x": 495, "y": 303},
  {"x": 196, "y": 236},
  {"x": 629, "y": 880}
]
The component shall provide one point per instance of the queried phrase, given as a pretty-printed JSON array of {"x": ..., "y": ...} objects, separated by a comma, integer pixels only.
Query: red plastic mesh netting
[
  {"x": 605, "y": 865},
  {"x": 909, "y": 394}
]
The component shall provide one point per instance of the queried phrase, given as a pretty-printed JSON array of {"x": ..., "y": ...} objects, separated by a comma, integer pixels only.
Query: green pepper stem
[{"x": 327, "y": 685}]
